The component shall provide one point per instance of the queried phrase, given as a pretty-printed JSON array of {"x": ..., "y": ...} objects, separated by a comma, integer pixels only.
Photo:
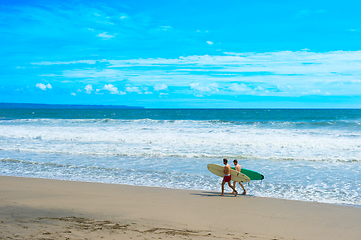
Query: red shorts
[{"x": 227, "y": 178}]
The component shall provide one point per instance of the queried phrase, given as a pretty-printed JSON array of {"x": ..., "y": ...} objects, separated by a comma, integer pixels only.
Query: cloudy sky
[{"x": 182, "y": 54}]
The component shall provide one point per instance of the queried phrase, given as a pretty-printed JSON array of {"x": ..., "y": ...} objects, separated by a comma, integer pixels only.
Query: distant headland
[{"x": 62, "y": 106}]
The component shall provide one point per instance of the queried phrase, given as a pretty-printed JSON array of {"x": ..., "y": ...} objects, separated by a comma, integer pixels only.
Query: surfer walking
[
  {"x": 238, "y": 168},
  {"x": 227, "y": 177}
]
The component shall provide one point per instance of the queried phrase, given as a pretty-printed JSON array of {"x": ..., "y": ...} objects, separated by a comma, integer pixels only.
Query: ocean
[{"x": 304, "y": 154}]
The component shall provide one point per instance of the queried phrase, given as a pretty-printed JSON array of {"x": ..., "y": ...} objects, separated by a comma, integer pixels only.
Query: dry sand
[{"x": 52, "y": 209}]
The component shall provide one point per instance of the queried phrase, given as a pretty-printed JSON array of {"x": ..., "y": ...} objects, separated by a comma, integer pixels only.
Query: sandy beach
[{"x": 51, "y": 209}]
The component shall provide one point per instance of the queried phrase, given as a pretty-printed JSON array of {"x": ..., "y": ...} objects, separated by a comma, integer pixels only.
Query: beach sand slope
[{"x": 51, "y": 209}]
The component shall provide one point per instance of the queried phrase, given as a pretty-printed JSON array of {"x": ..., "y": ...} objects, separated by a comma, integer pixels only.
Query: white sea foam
[
  {"x": 304, "y": 155},
  {"x": 181, "y": 138},
  {"x": 300, "y": 180}
]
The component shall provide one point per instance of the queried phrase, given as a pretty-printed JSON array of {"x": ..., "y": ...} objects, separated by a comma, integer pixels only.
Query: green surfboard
[{"x": 253, "y": 175}]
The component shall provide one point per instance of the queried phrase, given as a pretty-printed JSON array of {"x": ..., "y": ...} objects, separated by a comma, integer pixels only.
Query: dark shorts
[{"x": 227, "y": 178}]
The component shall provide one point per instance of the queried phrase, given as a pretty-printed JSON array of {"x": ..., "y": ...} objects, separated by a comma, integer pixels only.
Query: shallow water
[{"x": 309, "y": 155}]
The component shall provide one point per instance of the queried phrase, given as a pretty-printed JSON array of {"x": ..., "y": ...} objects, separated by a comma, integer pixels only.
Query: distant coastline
[{"x": 62, "y": 106}]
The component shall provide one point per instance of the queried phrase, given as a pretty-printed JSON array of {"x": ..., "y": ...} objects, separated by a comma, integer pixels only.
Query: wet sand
[{"x": 51, "y": 209}]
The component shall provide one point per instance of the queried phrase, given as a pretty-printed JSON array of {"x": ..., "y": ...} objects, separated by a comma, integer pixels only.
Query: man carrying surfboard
[
  {"x": 238, "y": 168},
  {"x": 227, "y": 177}
]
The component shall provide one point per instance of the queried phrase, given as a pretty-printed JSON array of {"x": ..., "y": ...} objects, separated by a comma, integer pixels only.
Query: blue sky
[{"x": 182, "y": 54}]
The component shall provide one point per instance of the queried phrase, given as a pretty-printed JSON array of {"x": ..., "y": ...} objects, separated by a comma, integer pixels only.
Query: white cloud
[
  {"x": 198, "y": 87},
  {"x": 68, "y": 62},
  {"x": 284, "y": 88},
  {"x": 210, "y": 42},
  {"x": 165, "y": 28},
  {"x": 111, "y": 88},
  {"x": 239, "y": 87},
  {"x": 88, "y": 89},
  {"x": 313, "y": 92},
  {"x": 130, "y": 88},
  {"x": 74, "y": 94},
  {"x": 105, "y": 36},
  {"x": 93, "y": 73},
  {"x": 204, "y": 88},
  {"x": 284, "y": 72},
  {"x": 43, "y": 86},
  {"x": 160, "y": 86}
]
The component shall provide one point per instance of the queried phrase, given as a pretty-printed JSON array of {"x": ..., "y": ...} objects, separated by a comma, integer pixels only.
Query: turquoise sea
[{"x": 307, "y": 155}]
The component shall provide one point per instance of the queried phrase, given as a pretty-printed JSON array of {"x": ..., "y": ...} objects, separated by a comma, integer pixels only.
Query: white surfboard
[{"x": 235, "y": 176}]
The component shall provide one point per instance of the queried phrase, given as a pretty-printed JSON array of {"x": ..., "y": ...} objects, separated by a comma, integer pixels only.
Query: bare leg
[
  {"x": 234, "y": 190},
  {"x": 244, "y": 190},
  {"x": 234, "y": 186},
  {"x": 222, "y": 194}
]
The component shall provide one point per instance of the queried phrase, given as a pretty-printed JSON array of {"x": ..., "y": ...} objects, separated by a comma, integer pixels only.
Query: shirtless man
[
  {"x": 227, "y": 177},
  {"x": 238, "y": 169}
]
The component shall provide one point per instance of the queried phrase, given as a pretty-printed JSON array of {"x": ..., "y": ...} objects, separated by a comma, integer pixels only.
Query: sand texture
[{"x": 52, "y": 209}]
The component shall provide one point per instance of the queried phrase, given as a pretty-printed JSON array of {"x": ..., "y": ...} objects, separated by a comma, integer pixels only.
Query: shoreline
[
  {"x": 36, "y": 208},
  {"x": 226, "y": 187}
]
